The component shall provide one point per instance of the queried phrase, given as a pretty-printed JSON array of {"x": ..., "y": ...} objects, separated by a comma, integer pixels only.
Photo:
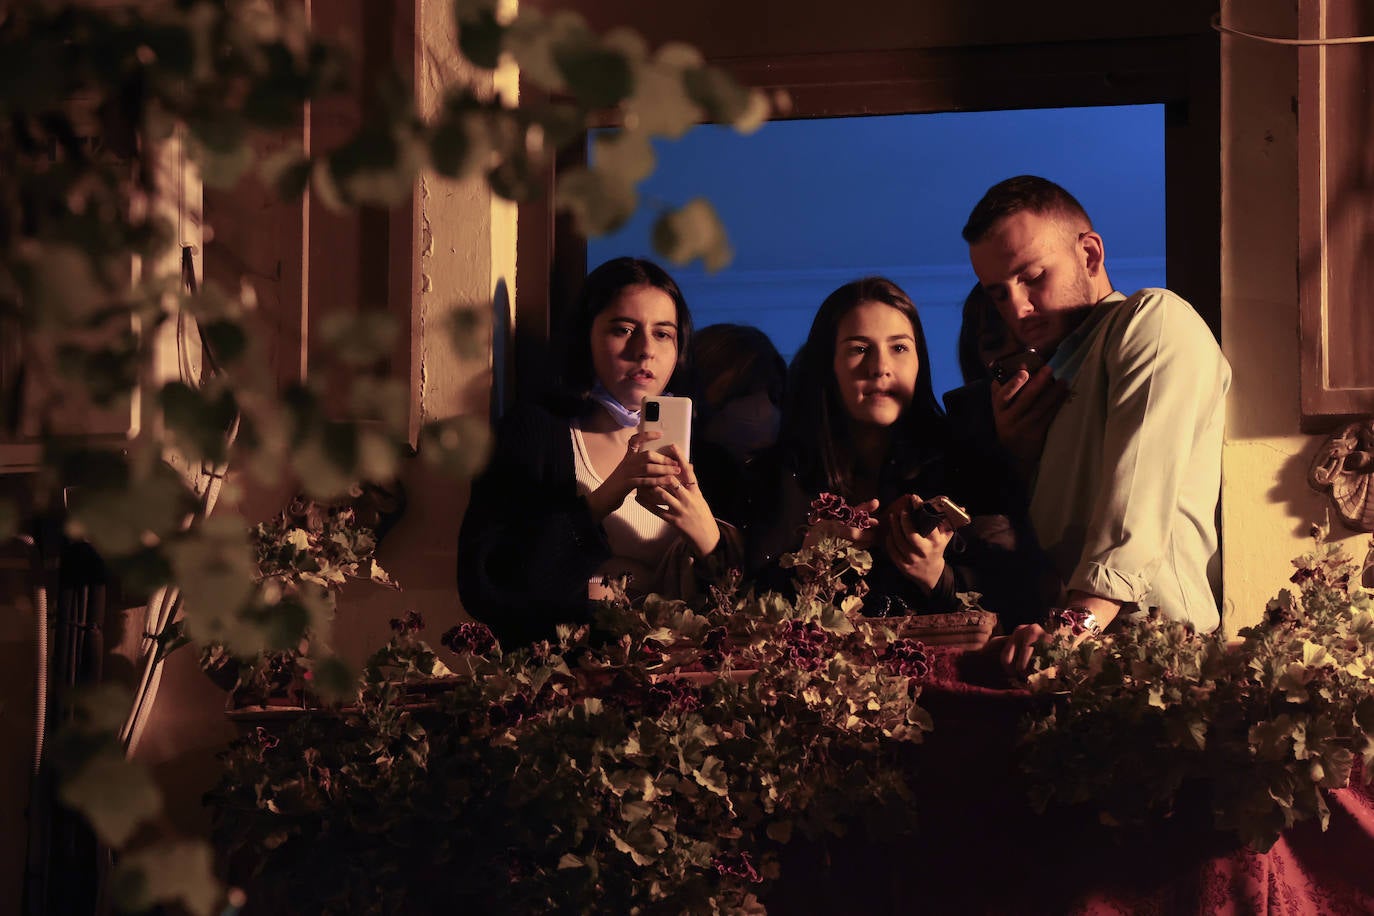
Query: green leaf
[
  {"x": 661, "y": 104},
  {"x": 725, "y": 100},
  {"x": 469, "y": 329},
  {"x": 531, "y": 40},
  {"x": 378, "y": 166},
  {"x": 479, "y": 38},
  {"x": 121, "y": 514},
  {"x": 360, "y": 338},
  {"x": 198, "y": 422},
  {"x": 170, "y": 871},
  {"x": 227, "y": 340},
  {"x": 693, "y": 232},
  {"x": 333, "y": 678},
  {"x": 215, "y": 570},
  {"x": 452, "y": 150},
  {"x": 103, "y": 708},
  {"x": 287, "y": 172},
  {"x": 599, "y": 77},
  {"x": 115, "y": 795},
  {"x": 382, "y": 400},
  {"x": 108, "y": 371},
  {"x": 379, "y": 454},
  {"x": 60, "y": 288},
  {"x": 599, "y": 202},
  {"x": 624, "y": 156},
  {"x": 224, "y": 156},
  {"x": 1364, "y": 714},
  {"x": 459, "y": 445},
  {"x": 464, "y": 10}
]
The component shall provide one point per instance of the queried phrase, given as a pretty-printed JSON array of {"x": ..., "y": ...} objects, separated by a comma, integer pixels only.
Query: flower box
[{"x": 957, "y": 630}]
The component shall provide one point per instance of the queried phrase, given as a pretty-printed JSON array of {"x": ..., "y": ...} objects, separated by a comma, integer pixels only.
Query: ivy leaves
[
  {"x": 119, "y": 797},
  {"x": 1269, "y": 724},
  {"x": 660, "y": 768},
  {"x": 86, "y": 91}
]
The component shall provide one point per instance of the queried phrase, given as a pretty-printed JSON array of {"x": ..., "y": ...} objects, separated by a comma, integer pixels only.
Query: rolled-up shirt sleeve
[{"x": 1164, "y": 377}]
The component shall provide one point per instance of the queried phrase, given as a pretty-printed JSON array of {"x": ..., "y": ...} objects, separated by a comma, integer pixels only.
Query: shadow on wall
[{"x": 1304, "y": 506}]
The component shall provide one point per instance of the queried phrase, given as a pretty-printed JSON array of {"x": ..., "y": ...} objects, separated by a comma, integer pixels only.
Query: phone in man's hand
[
  {"x": 671, "y": 416},
  {"x": 1004, "y": 368}
]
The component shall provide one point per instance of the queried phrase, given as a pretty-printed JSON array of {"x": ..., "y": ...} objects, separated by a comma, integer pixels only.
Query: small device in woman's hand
[
  {"x": 1005, "y": 368},
  {"x": 671, "y": 416},
  {"x": 930, "y": 513}
]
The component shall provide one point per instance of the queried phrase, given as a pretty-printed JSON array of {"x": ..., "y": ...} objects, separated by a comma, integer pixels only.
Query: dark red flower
[
  {"x": 669, "y": 696},
  {"x": 412, "y": 622},
  {"x": 714, "y": 639},
  {"x": 909, "y": 657},
  {"x": 476, "y": 638},
  {"x": 738, "y": 865},
  {"x": 829, "y": 507},
  {"x": 803, "y": 645}
]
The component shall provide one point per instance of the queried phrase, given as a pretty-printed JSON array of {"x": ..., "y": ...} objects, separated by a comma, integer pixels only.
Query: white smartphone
[{"x": 671, "y": 416}]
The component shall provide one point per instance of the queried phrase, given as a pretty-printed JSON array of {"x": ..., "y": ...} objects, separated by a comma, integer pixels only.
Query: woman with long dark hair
[
  {"x": 574, "y": 492},
  {"x": 861, "y": 421}
]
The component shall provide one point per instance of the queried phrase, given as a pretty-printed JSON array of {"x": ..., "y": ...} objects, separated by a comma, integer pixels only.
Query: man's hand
[
  {"x": 1022, "y": 409},
  {"x": 1015, "y": 650}
]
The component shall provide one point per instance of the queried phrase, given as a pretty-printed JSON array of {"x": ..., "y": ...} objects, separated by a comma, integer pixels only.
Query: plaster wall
[
  {"x": 465, "y": 245},
  {"x": 1267, "y": 507}
]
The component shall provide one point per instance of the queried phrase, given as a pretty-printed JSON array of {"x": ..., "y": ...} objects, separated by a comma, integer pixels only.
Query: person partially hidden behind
[{"x": 1119, "y": 435}]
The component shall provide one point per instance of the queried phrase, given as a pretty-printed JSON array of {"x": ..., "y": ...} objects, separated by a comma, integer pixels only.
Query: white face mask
[{"x": 745, "y": 425}]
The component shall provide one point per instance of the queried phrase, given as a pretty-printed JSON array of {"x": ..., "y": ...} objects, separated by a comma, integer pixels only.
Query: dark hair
[
  {"x": 733, "y": 360},
  {"x": 1022, "y": 193},
  {"x": 815, "y": 427},
  {"x": 600, "y": 290},
  {"x": 979, "y": 312}
]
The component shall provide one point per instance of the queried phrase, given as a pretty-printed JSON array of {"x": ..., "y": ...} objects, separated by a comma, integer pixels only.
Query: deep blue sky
[{"x": 825, "y": 201}]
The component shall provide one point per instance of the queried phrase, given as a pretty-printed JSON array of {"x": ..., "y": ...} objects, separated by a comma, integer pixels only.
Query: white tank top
[{"x": 638, "y": 538}]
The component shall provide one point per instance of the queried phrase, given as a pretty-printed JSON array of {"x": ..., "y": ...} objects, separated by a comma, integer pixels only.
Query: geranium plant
[
  {"x": 304, "y": 556},
  {"x": 1265, "y": 726},
  {"x": 658, "y": 762}
]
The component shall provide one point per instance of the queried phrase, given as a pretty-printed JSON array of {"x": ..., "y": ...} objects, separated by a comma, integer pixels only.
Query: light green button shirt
[{"x": 1126, "y": 494}]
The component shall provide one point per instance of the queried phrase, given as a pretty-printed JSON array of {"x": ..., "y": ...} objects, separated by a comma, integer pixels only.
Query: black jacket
[{"x": 528, "y": 543}]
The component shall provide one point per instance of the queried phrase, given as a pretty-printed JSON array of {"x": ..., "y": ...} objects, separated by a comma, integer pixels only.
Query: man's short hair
[{"x": 1013, "y": 195}]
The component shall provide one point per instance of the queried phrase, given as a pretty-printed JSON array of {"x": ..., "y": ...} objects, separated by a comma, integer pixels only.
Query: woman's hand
[
  {"x": 921, "y": 558},
  {"x": 642, "y": 466},
  {"x": 862, "y": 537},
  {"x": 679, "y": 502}
]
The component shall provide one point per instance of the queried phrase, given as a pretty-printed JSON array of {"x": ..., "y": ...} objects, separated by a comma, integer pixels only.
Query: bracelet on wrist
[{"x": 1076, "y": 618}]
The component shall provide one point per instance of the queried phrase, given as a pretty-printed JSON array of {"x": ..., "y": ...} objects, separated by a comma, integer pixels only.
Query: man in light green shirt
[{"x": 1120, "y": 433}]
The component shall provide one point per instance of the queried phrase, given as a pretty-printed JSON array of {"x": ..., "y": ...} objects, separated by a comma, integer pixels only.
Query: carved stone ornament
[{"x": 1345, "y": 464}]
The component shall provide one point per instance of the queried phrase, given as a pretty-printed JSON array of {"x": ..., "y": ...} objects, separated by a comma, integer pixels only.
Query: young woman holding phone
[
  {"x": 575, "y": 491},
  {"x": 861, "y": 421}
]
